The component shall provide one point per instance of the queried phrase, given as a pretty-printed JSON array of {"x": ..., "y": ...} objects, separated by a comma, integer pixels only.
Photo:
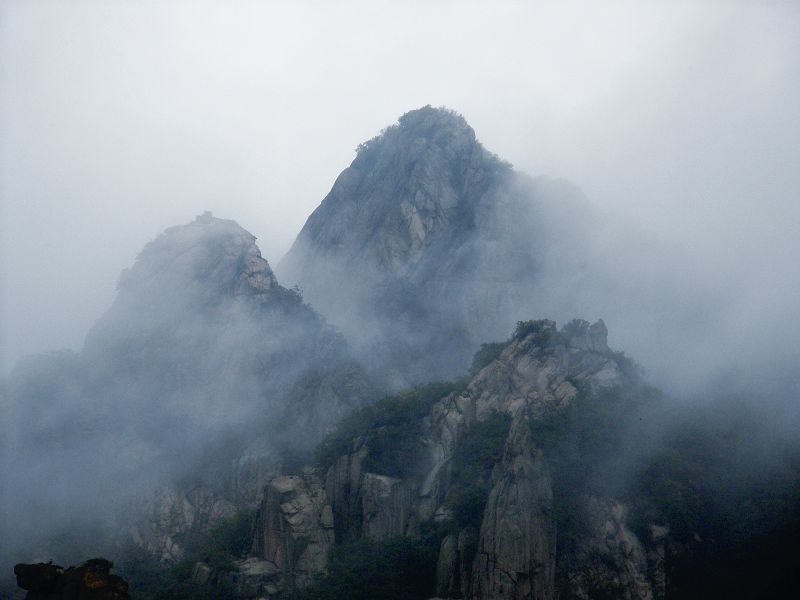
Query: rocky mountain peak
[
  {"x": 200, "y": 262},
  {"x": 202, "y": 277},
  {"x": 416, "y": 182},
  {"x": 423, "y": 129}
]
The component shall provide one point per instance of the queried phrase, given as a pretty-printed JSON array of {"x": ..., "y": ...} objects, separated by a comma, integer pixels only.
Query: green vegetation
[
  {"x": 478, "y": 451},
  {"x": 398, "y": 569},
  {"x": 594, "y": 429},
  {"x": 388, "y": 428},
  {"x": 485, "y": 356},
  {"x": 225, "y": 542},
  {"x": 541, "y": 330},
  {"x": 587, "y": 445}
]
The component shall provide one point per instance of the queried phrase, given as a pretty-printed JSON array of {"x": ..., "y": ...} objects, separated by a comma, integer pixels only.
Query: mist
[
  {"x": 199, "y": 376},
  {"x": 120, "y": 120},
  {"x": 660, "y": 141}
]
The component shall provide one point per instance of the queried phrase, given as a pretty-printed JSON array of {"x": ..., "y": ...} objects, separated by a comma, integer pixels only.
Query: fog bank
[{"x": 121, "y": 119}]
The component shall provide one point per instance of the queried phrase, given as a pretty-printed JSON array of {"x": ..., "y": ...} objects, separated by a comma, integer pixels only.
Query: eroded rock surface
[
  {"x": 516, "y": 555},
  {"x": 294, "y": 530},
  {"x": 512, "y": 550},
  {"x": 425, "y": 247}
]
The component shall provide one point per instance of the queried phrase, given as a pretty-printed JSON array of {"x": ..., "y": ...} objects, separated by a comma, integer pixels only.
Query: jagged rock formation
[
  {"x": 424, "y": 248},
  {"x": 171, "y": 513},
  {"x": 248, "y": 578},
  {"x": 207, "y": 378},
  {"x": 295, "y": 527},
  {"x": 498, "y": 527},
  {"x": 194, "y": 383},
  {"x": 517, "y": 541}
]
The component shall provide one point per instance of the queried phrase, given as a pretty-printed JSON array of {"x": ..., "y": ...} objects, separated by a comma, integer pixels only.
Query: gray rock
[
  {"x": 294, "y": 528},
  {"x": 517, "y": 546},
  {"x": 409, "y": 252},
  {"x": 173, "y": 512},
  {"x": 513, "y": 554},
  {"x": 387, "y": 506},
  {"x": 253, "y": 578}
]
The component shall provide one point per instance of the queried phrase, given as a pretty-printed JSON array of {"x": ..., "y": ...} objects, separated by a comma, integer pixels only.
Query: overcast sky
[{"x": 119, "y": 119}]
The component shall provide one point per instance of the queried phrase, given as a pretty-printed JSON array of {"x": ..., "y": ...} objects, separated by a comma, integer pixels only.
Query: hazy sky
[{"x": 119, "y": 119}]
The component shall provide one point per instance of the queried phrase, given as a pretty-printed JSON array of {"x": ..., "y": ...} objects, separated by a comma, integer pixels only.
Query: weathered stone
[
  {"x": 293, "y": 529},
  {"x": 173, "y": 512},
  {"x": 342, "y": 484},
  {"x": 454, "y": 565},
  {"x": 253, "y": 577},
  {"x": 517, "y": 545},
  {"x": 387, "y": 504},
  {"x": 513, "y": 553}
]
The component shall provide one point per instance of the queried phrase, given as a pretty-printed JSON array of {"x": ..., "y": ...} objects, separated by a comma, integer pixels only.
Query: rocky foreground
[{"x": 475, "y": 477}]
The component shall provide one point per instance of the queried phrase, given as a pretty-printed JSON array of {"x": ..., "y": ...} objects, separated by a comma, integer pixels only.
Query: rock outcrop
[
  {"x": 294, "y": 530},
  {"x": 172, "y": 513},
  {"x": 498, "y": 521},
  {"x": 368, "y": 505},
  {"x": 249, "y": 577},
  {"x": 516, "y": 553}
]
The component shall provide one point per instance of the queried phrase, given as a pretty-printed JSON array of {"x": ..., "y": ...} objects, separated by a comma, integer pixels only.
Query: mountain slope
[
  {"x": 422, "y": 248},
  {"x": 194, "y": 382}
]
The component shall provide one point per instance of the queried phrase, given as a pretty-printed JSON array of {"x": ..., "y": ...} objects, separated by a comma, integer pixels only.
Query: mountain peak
[
  {"x": 441, "y": 127},
  {"x": 418, "y": 180},
  {"x": 399, "y": 234},
  {"x": 423, "y": 134},
  {"x": 206, "y": 269},
  {"x": 217, "y": 252}
]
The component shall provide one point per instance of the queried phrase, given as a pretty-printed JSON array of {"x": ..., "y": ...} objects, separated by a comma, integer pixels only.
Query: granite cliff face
[
  {"x": 480, "y": 477},
  {"x": 185, "y": 397},
  {"x": 425, "y": 247}
]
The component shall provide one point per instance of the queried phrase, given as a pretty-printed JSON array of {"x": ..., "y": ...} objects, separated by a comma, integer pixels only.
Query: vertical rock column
[
  {"x": 517, "y": 545},
  {"x": 294, "y": 527}
]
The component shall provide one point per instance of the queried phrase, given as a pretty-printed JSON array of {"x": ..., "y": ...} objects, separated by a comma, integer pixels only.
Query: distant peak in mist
[
  {"x": 418, "y": 180},
  {"x": 208, "y": 269},
  {"x": 205, "y": 259},
  {"x": 410, "y": 236},
  {"x": 421, "y": 134},
  {"x": 441, "y": 126}
]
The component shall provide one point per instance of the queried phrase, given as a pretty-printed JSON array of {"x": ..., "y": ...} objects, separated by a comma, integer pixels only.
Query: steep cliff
[{"x": 478, "y": 470}]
